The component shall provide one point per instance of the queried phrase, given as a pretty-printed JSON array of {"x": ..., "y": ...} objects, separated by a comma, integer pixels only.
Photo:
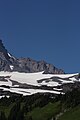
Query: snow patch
[
  {"x": 2, "y": 96},
  {"x": 25, "y": 92},
  {"x": 6, "y": 83},
  {"x": 11, "y": 67},
  {"x": 11, "y": 56},
  {"x": 31, "y": 79}
]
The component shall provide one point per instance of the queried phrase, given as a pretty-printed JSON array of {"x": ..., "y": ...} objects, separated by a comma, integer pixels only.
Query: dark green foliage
[
  {"x": 2, "y": 116},
  {"x": 39, "y": 106},
  {"x": 14, "y": 112},
  {"x": 71, "y": 99},
  {"x": 30, "y": 118},
  {"x": 20, "y": 115}
]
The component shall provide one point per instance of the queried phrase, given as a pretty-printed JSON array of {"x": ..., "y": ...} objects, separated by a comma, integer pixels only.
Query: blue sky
[{"x": 43, "y": 30}]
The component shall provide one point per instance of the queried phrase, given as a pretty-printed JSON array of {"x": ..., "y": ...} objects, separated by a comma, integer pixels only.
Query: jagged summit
[
  {"x": 37, "y": 66},
  {"x": 41, "y": 76},
  {"x": 10, "y": 63},
  {"x": 3, "y": 51},
  {"x": 2, "y": 48}
]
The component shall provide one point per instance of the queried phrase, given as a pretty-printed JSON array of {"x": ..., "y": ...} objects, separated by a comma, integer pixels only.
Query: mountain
[
  {"x": 28, "y": 65},
  {"x": 36, "y": 90},
  {"x": 5, "y": 58},
  {"x": 31, "y": 83},
  {"x": 26, "y": 76}
]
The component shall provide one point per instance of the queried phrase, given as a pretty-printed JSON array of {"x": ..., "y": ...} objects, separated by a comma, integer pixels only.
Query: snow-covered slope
[
  {"x": 31, "y": 83},
  {"x": 23, "y": 76}
]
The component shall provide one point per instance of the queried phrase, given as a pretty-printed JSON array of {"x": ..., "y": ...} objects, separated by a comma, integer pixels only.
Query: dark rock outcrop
[
  {"x": 10, "y": 63},
  {"x": 37, "y": 66}
]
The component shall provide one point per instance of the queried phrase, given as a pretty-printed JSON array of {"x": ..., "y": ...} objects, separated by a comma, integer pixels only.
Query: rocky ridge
[{"x": 28, "y": 65}]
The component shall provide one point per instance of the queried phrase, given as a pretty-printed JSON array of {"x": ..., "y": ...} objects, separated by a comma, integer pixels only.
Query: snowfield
[
  {"x": 34, "y": 79},
  {"x": 29, "y": 91}
]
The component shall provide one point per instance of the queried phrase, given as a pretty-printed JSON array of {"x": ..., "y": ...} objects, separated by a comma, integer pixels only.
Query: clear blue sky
[{"x": 43, "y": 30}]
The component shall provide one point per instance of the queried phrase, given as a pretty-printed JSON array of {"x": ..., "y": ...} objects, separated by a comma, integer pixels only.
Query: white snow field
[
  {"x": 32, "y": 79},
  {"x": 29, "y": 91}
]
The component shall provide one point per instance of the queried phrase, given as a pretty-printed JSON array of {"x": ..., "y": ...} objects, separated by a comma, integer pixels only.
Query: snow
[
  {"x": 51, "y": 83},
  {"x": 7, "y": 83},
  {"x": 16, "y": 86},
  {"x": 2, "y": 96},
  {"x": 31, "y": 79},
  {"x": 25, "y": 92},
  {"x": 2, "y": 73},
  {"x": 7, "y": 96},
  {"x": 66, "y": 81},
  {"x": 57, "y": 89},
  {"x": 64, "y": 75},
  {"x": 9, "y": 55},
  {"x": 73, "y": 79},
  {"x": 12, "y": 67}
]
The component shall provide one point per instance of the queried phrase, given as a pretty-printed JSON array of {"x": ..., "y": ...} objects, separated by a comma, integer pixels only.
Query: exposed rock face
[
  {"x": 37, "y": 66},
  {"x": 9, "y": 63},
  {"x": 5, "y": 58},
  {"x": 3, "y": 51}
]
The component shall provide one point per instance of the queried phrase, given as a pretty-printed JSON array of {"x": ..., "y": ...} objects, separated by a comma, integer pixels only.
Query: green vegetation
[
  {"x": 41, "y": 107},
  {"x": 72, "y": 114},
  {"x": 46, "y": 112}
]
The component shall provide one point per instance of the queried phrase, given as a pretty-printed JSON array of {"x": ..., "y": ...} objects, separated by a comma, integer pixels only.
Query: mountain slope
[
  {"x": 31, "y": 83},
  {"x": 26, "y": 76},
  {"x": 10, "y": 63}
]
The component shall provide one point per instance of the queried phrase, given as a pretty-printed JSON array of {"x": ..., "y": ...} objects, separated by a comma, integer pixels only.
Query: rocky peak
[
  {"x": 9, "y": 63},
  {"x": 3, "y": 51},
  {"x": 31, "y": 65},
  {"x": 2, "y": 48}
]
